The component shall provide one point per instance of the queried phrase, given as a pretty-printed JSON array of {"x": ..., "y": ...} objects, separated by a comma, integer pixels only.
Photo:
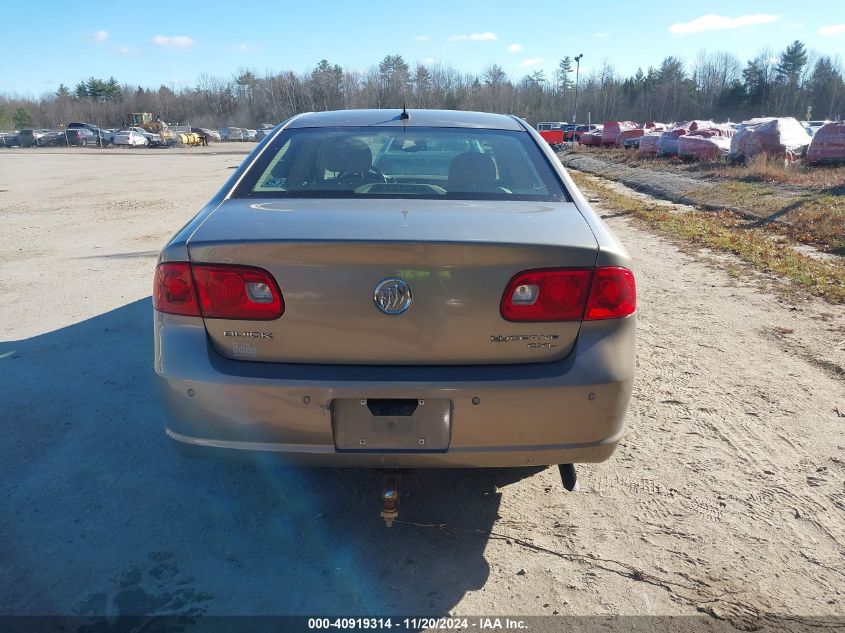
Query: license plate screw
[
  {"x": 421, "y": 441},
  {"x": 364, "y": 402},
  {"x": 362, "y": 442},
  {"x": 421, "y": 402}
]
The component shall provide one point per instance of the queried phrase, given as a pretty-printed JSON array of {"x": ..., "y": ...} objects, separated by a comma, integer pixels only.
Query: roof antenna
[{"x": 404, "y": 116}]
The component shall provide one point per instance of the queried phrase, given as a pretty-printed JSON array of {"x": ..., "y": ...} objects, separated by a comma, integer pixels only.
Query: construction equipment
[
  {"x": 156, "y": 126},
  {"x": 188, "y": 138}
]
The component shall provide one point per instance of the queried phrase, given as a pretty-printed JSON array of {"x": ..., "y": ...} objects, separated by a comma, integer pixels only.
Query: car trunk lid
[{"x": 457, "y": 257}]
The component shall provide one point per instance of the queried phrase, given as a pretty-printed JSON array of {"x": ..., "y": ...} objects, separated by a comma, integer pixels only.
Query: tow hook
[
  {"x": 569, "y": 477},
  {"x": 390, "y": 498}
]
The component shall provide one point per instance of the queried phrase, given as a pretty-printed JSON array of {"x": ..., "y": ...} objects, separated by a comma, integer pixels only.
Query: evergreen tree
[
  {"x": 21, "y": 118},
  {"x": 564, "y": 69}
]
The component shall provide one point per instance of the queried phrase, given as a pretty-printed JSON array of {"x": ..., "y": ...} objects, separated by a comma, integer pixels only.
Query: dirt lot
[{"x": 727, "y": 496}]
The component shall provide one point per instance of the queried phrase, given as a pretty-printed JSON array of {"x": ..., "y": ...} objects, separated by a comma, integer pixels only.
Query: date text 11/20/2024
[{"x": 416, "y": 624}]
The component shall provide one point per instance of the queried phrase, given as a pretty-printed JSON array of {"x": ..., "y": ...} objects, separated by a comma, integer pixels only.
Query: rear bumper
[{"x": 568, "y": 411}]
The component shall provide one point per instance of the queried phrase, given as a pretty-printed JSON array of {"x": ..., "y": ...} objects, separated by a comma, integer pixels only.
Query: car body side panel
[{"x": 611, "y": 252}]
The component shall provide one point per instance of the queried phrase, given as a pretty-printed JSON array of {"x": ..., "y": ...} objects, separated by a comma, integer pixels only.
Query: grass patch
[
  {"x": 813, "y": 218},
  {"x": 809, "y": 199},
  {"x": 725, "y": 231},
  {"x": 759, "y": 169}
]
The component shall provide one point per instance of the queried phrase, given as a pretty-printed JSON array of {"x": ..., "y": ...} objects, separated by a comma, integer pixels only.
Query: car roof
[{"x": 418, "y": 118}]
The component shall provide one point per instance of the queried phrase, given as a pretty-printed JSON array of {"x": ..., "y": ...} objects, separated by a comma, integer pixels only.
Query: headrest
[
  {"x": 350, "y": 155},
  {"x": 472, "y": 169}
]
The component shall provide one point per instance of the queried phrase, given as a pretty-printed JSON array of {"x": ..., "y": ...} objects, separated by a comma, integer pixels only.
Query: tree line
[{"x": 796, "y": 82}]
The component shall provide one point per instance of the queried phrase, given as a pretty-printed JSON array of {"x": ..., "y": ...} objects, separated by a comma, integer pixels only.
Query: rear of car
[
  {"x": 9, "y": 139},
  {"x": 80, "y": 137},
  {"x": 31, "y": 137},
  {"x": 98, "y": 134},
  {"x": 129, "y": 138},
  {"x": 369, "y": 290}
]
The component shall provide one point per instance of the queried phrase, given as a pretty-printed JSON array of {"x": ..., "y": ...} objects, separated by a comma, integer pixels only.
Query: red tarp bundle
[
  {"x": 590, "y": 138},
  {"x": 781, "y": 137},
  {"x": 828, "y": 144},
  {"x": 612, "y": 129},
  {"x": 708, "y": 145},
  {"x": 648, "y": 143},
  {"x": 667, "y": 144},
  {"x": 635, "y": 133}
]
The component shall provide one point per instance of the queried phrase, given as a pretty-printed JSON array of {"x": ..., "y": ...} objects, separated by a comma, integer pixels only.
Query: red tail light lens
[
  {"x": 547, "y": 295},
  {"x": 173, "y": 289},
  {"x": 217, "y": 292},
  {"x": 237, "y": 292},
  {"x": 613, "y": 294},
  {"x": 570, "y": 294}
]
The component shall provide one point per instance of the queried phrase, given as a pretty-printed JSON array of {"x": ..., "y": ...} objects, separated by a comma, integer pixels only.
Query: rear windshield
[{"x": 396, "y": 162}]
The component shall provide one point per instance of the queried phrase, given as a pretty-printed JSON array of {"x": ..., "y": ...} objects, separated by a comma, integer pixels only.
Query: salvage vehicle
[
  {"x": 79, "y": 137},
  {"x": 99, "y": 135},
  {"x": 31, "y": 137},
  {"x": 130, "y": 138},
  {"x": 210, "y": 135},
  {"x": 452, "y": 309},
  {"x": 552, "y": 132},
  {"x": 9, "y": 139},
  {"x": 232, "y": 134}
]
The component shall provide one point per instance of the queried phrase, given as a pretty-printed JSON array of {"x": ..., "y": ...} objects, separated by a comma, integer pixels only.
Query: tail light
[
  {"x": 217, "y": 291},
  {"x": 173, "y": 289},
  {"x": 547, "y": 295},
  {"x": 613, "y": 294},
  {"x": 570, "y": 294},
  {"x": 238, "y": 292}
]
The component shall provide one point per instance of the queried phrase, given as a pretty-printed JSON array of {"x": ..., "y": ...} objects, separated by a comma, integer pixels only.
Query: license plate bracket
[{"x": 391, "y": 424}]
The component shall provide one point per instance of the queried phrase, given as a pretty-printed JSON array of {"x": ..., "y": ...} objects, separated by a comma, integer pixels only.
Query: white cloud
[
  {"x": 832, "y": 30},
  {"x": 487, "y": 36},
  {"x": 99, "y": 36},
  {"x": 428, "y": 61},
  {"x": 122, "y": 50},
  {"x": 713, "y": 22},
  {"x": 514, "y": 48},
  {"x": 531, "y": 61},
  {"x": 422, "y": 38},
  {"x": 174, "y": 41},
  {"x": 600, "y": 34}
]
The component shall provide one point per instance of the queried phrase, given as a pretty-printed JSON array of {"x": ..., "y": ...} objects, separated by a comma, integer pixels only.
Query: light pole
[{"x": 577, "y": 70}]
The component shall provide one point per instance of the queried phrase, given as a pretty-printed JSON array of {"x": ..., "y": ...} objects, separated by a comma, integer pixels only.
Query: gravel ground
[{"x": 727, "y": 496}]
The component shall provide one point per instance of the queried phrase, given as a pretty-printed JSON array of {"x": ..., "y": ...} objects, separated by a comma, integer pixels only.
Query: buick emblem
[{"x": 392, "y": 296}]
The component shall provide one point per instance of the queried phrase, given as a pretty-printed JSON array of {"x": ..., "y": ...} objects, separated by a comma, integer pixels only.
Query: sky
[{"x": 151, "y": 43}]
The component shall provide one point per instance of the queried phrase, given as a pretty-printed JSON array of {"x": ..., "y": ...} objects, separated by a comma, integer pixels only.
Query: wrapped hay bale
[
  {"x": 703, "y": 146},
  {"x": 828, "y": 144},
  {"x": 628, "y": 134},
  {"x": 648, "y": 143},
  {"x": 612, "y": 129},
  {"x": 667, "y": 144},
  {"x": 781, "y": 137},
  {"x": 590, "y": 138}
]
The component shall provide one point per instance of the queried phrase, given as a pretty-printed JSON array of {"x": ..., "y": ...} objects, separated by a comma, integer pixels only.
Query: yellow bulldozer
[{"x": 156, "y": 126}]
